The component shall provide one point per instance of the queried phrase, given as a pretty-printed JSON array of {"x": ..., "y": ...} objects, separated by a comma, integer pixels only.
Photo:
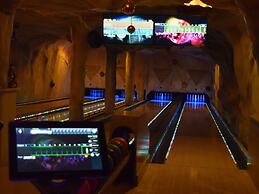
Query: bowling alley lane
[
  {"x": 150, "y": 109},
  {"x": 91, "y": 107},
  {"x": 198, "y": 161}
]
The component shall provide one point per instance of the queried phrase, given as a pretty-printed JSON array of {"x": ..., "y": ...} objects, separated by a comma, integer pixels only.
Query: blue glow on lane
[
  {"x": 175, "y": 131},
  {"x": 221, "y": 135},
  {"x": 159, "y": 114}
]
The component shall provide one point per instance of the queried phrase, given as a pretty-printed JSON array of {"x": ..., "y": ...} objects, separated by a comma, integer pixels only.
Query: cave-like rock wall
[{"x": 43, "y": 73}]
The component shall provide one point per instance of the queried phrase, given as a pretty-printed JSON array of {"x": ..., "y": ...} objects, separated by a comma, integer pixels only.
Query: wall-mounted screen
[
  {"x": 189, "y": 30},
  {"x": 116, "y": 29},
  {"x": 56, "y": 150}
]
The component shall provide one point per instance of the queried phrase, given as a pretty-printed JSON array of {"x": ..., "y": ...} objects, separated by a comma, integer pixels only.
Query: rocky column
[
  {"x": 140, "y": 81},
  {"x": 80, "y": 47},
  {"x": 129, "y": 90},
  {"x": 7, "y": 96},
  {"x": 110, "y": 80}
]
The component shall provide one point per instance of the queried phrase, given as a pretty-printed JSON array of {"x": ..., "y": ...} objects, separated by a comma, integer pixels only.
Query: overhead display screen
[
  {"x": 55, "y": 149},
  {"x": 118, "y": 29},
  {"x": 181, "y": 31}
]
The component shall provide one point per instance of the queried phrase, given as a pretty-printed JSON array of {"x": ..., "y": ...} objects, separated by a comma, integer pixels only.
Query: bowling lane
[
  {"x": 62, "y": 113},
  {"x": 198, "y": 162},
  {"x": 198, "y": 142},
  {"x": 149, "y": 110}
]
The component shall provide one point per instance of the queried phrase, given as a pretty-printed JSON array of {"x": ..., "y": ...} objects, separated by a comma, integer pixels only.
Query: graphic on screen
[
  {"x": 180, "y": 32},
  {"x": 57, "y": 149},
  {"x": 115, "y": 30}
]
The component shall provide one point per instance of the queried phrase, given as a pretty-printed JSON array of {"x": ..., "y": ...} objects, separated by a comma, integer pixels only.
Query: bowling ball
[
  {"x": 123, "y": 149},
  {"x": 117, "y": 149},
  {"x": 114, "y": 155},
  {"x": 110, "y": 163},
  {"x": 123, "y": 142},
  {"x": 117, "y": 152}
]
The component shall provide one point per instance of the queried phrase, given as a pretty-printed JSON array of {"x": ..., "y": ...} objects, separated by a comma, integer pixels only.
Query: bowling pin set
[
  {"x": 163, "y": 96},
  {"x": 195, "y": 98},
  {"x": 122, "y": 95},
  {"x": 96, "y": 93}
]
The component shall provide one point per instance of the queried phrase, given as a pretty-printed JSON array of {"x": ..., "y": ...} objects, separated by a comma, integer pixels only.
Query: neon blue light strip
[
  {"x": 176, "y": 128},
  {"x": 165, "y": 132},
  {"x": 195, "y": 102},
  {"x": 52, "y": 111},
  {"x": 95, "y": 110},
  {"x": 221, "y": 135},
  {"x": 159, "y": 114}
]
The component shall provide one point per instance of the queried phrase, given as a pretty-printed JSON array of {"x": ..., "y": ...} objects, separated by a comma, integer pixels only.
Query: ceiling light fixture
[
  {"x": 129, "y": 7},
  {"x": 197, "y": 3}
]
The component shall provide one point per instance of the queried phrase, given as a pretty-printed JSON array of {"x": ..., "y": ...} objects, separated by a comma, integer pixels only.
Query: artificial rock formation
[
  {"x": 80, "y": 47},
  {"x": 45, "y": 69},
  {"x": 129, "y": 88},
  {"x": 110, "y": 80}
]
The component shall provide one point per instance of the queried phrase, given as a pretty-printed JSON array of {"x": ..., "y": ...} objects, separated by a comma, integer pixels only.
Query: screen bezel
[
  {"x": 14, "y": 174},
  {"x": 113, "y": 15}
]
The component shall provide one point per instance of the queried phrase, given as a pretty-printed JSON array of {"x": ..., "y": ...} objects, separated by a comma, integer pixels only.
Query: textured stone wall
[
  {"x": 248, "y": 85},
  {"x": 44, "y": 72}
]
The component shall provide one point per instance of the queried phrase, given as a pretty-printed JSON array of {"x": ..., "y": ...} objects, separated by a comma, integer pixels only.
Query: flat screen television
[
  {"x": 55, "y": 150},
  {"x": 115, "y": 29},
  {"x": 181, "y": 30}
]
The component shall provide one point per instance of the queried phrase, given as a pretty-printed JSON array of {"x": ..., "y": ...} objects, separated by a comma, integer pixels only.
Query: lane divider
[
  {"x": 175, "y": 131},
  {"x": 150, "y": 123},
  {"x": 223, "y": 138},
  {"x": 165, "y": 132}
]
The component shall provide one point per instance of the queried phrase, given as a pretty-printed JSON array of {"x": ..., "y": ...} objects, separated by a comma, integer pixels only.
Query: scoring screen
[
  {"x": 57, "y": 149},
  {"x": 115, "y": 30},
  {"x": 181, "y": 31}
]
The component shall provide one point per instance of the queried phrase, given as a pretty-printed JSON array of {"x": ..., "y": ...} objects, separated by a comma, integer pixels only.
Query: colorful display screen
[
  {"x": 181, "y": 31},
  {"x": 115, "y": 30},
  {"x": 56, "y": 149}
]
